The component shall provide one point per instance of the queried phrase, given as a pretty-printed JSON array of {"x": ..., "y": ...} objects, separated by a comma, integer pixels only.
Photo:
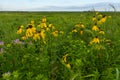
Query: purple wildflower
[
  {"x": 1, "y": 43},
  {"x": 17, "y": 41}
]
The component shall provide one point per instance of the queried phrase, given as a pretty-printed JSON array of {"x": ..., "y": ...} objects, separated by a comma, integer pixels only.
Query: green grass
[{"x": 39, "y": 61}]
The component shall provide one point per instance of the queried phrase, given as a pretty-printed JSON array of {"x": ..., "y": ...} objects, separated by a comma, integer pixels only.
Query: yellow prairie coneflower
[
  {"x": 74, "y": 30},
  {"x": 20, "y": 29},
  {"x": 44, "y": 19},
  {"x": 55, "y": 33},
  {"x": 103, "y": 18},
  {"x": 43, "y": 25},
  {"x": 81, "y": 32},
  {"x": 95, "y": 40},
  {"x": 68, "y": 65},
  {"x": 42, "y": 35},
  {"x": 36, "y": 37},
  {"x": 99, "y": 21},
  {"x": 109, "y": 16},
  {"x": 32, "y": 22},
  {"x": 24, "y": 38},
  {"x": 95, "y": 28},
  {"x": 94, "y": 18},
  {"x": 102, "y": 32}
]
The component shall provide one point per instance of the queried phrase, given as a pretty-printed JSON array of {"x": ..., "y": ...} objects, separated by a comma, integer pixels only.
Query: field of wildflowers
[{"x": 59, "y": 46}]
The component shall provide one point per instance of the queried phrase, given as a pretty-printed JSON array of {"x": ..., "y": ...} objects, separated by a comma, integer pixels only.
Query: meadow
[{"x": 59, "y": 45}]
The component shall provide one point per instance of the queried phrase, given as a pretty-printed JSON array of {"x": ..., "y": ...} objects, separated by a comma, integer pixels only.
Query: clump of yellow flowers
[
  {"x": 38, "y": 32},
  {"x": 32, "y": 32},
  {"x": 79, "y": 27},
  {"x": 98, "y": 32}
]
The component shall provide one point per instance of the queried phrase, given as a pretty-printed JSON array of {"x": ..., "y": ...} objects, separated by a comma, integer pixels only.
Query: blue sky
[{"x": 28, "y": 4}]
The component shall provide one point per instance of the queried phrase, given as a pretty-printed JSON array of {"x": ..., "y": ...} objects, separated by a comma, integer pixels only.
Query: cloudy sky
[{"x": 28, "y": 4}]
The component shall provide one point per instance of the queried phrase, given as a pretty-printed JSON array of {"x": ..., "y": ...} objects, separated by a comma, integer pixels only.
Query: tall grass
[{"x": 70, "y": 55}]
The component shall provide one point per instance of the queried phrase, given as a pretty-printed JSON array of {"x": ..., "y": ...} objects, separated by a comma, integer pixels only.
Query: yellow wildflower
[
  {"x": 33, "y": 30},
  {"x": 20, "y": 29},
  {"x": 95, "y": 28},
  {"x": 95, "y": 40},
  {"x": 100, "y": 15},
  {"x": 47, "y": 29},
  {"x": 99, "y": 21},
  {"x": 108, "y": 41},
  {"x": 94, "y": 18},
  {"x": 36, "y": 37},
  {"x": 22, "y": 26},
  {"x": 42, "y": 35},
  {"x": 24, "y": 38},
  {"x": 44, "y": 20},
  {"x": 32, "y": 22},
  {"x": 55, "y": 33},
  {"x": 50, "y": 25},
  {"x": 109, "y": 17},
  {"x": 64, "y": 58},
  {"x": 82, "y": 26},
  {"x": 68, "y": 65},
  {"x": 79, "y": 25},
  {"x": 103, "y": 18},
  {"x": 102, "y": 32},
  {"x": 61, "y": 32},
  {"x": 97, "y": 12},
  {"x": 74, "y": 30},
  {"x": 43, "y": 25},
  {"x": 29, "y": 32},
  {"x": 81, "y": 32},
  {"x": 53, "y": 27}
]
